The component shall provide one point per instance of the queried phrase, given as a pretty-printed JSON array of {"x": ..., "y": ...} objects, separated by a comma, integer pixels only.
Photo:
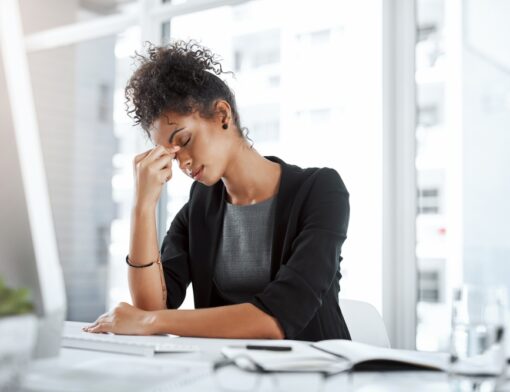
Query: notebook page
[{"x": 360, "y": 353}]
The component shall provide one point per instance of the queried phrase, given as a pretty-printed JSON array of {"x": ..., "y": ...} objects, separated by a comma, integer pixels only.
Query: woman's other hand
[
  {"x": 152, "y": 169},
  {"x": 124, "y": 319}
]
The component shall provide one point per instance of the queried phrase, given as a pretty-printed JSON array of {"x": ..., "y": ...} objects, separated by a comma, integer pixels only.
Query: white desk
[{"x": 81, "y": 370}]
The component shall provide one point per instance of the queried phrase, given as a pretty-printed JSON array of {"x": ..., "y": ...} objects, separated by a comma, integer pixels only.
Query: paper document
[{"x": 302, "y": 358}]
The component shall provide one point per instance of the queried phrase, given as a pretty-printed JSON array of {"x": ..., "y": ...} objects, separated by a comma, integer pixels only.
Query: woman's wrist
[
  {"x": 149, "y": 323},
  {"x": 144, "y": 208},
  {"x": 157, "y": 322}
]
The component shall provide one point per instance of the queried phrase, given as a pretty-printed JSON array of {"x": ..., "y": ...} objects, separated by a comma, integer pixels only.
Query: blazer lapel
[
  {"x": 206, "y": 246},
  {"x": 283, "y": 205}
]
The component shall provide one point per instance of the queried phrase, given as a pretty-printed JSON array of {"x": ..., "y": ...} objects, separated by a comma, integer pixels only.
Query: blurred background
[{"x": 318, "y": 84}]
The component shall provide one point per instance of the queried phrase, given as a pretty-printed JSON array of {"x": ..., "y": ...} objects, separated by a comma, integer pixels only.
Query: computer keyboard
[{"x": 74, "y": 337}]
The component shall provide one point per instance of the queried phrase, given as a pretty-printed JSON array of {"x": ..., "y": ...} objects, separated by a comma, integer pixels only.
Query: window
[
  {"x": 428, "y": 201},
  {"x": 428, "y": 116},
  {"x": 431, "y": 280},
  {"x": 462, "y": 67}
]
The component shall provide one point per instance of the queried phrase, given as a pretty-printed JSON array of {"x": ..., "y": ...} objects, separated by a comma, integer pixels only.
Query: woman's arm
[
  {"x": 145, "y": 284},
  {"x": 151, "y": 170},
  {"x": 304, "y": 279},
  {"x": 243, "y": 321}
]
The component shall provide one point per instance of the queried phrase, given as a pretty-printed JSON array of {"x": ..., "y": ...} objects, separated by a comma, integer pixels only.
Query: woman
[{"x": 259, "y": 239}]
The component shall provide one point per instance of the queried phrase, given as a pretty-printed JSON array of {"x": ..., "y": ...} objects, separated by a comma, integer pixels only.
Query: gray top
[{"x": 243, "y": 263}]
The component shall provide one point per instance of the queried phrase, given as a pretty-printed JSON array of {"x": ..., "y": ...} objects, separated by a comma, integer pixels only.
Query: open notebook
[
  {"x": 367, "y": 357},
  {"x": 74, "y": 337},
  {"x": 334, "y": 356}
]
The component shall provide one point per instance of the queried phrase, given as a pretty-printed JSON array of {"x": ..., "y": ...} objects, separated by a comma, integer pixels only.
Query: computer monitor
[{"x": 28, "y": 248}]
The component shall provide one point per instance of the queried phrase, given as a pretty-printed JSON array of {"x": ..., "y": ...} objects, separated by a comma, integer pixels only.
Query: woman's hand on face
[
  {"x": 152, "y": 169},
  {"x": 124, "y": 319}
]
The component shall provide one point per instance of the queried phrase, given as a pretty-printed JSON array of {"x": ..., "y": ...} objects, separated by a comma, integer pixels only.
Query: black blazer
[{"x": 311, "y": 219}]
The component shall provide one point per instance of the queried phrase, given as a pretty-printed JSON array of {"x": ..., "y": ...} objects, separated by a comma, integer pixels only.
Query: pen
[{"x": 264, "y": 347}]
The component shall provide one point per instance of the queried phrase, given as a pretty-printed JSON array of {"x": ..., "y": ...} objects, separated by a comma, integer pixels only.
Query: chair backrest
[{"x": 364, "y": 322}]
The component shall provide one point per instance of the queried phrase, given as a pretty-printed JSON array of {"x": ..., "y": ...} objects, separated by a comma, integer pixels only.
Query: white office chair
[{"x": 364, "y": 322}]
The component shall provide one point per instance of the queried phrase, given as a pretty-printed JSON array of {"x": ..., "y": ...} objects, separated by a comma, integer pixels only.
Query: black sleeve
[
  {"x": 174, "y": 258},
  {"x": 296, "y": 293}
]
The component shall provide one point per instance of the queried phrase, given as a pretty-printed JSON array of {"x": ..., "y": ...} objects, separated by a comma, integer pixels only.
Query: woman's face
[{"x": 205, "y": 145}]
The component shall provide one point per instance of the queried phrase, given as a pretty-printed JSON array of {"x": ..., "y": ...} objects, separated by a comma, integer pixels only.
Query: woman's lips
[{"x": 198, "y": 173}]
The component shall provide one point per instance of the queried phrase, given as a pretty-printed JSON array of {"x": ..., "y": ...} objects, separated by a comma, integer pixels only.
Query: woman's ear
[{"x": 222, "y": 108}]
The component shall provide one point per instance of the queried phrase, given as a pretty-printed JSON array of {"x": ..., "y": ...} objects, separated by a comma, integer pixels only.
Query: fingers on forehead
[{"x": 158, "y": 151}]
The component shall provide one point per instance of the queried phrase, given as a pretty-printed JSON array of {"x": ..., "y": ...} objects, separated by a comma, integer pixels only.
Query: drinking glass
[{"x": 477, "y": 344}]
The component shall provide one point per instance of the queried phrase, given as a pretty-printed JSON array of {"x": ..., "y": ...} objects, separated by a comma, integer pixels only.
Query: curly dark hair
[{"x": 180, "y": 77}]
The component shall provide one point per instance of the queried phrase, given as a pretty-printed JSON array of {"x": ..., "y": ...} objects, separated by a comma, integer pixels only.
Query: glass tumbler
[{"x": 477, "y": 344}]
